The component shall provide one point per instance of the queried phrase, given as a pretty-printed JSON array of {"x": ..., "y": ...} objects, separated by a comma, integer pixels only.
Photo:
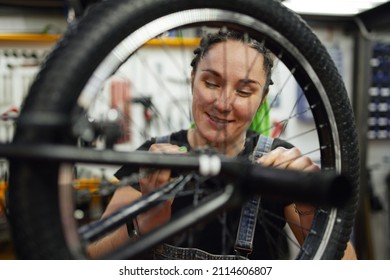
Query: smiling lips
[{"x": 218, "y": 121}]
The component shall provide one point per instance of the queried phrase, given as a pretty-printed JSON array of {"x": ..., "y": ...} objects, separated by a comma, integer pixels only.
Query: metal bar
[
  {"x": 322, "y": 188},
  {"x": 177, "y": 225},
  {"x": 64, "y": 153},
  {"x": 95, "y": 230}
]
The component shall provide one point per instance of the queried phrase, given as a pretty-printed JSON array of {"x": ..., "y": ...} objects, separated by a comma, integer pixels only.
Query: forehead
[{"x": 233, "y": 56}]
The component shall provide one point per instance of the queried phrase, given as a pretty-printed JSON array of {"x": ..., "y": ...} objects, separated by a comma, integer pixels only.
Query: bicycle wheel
[{"x": 72, "y": 81}]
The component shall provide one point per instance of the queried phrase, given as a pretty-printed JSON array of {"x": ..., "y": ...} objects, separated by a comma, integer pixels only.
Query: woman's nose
[{"x": 224, "y": 101}]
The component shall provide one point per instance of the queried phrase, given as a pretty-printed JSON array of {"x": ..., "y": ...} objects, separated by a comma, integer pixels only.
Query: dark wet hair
[{"x": 223, "y": 36}]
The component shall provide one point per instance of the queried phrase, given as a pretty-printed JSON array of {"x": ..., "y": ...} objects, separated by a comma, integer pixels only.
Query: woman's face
[{"x": 227, "y": 91}]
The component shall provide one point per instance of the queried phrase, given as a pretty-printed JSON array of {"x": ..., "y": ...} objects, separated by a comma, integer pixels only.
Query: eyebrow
[
  {"x": 213, "y": 72},
  {"x": 242, "y": 81},
  {"x": 249, "y": 81}
]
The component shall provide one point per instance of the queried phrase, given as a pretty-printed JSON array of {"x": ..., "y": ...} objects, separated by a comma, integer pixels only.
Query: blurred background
[{"x": 355, "y": 32}]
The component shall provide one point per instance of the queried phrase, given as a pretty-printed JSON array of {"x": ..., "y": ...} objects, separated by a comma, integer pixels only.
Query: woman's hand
[
  {"x": 299, "y": 215},
  {"x": 150, "y": 180},
  {"x": 288, "y": 159}
]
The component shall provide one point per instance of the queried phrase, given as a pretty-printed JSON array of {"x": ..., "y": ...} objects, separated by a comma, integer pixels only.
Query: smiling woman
[{"x": 227, "y": 92}]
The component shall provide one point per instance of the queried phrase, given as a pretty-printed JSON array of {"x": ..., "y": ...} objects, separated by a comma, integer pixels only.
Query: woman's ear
[
  {"x": 192, "y": 79},
  {"x": 265, "y": 93}
]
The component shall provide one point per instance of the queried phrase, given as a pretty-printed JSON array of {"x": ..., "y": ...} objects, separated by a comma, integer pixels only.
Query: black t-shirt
[{"x": 217, "y": 235}]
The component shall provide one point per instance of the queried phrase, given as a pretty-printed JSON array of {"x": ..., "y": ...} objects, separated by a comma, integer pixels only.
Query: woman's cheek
[
  {"x": 245, "y": 111},
  {"x": 202, "y": 97}
]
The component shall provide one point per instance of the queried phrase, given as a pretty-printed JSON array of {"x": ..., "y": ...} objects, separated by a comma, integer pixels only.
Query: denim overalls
[{"x": 246, "y": 228}]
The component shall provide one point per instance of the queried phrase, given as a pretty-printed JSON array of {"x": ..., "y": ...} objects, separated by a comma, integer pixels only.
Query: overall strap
[
  {"x": 264, "y": 146},
  {"x": 163, "y": 139},
  {"x": 249, "y": 211}
]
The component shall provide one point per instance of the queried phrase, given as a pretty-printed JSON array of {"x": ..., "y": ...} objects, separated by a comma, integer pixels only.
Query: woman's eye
[
  {"x": 211, "y": 85},
  {"x": 244, "y": 93}
]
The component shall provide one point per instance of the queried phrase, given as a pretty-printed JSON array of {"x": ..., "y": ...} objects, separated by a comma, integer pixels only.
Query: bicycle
[{"x": 55, "y": 114}]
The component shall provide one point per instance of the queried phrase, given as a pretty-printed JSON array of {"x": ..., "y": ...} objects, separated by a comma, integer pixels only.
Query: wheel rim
[{"x": 191, "y": 17}]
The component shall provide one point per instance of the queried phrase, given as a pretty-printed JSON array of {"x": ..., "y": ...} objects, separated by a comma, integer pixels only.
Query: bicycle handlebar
[
  {"x": 324, "y": 187},
  {"x": 321, "y": 188}
]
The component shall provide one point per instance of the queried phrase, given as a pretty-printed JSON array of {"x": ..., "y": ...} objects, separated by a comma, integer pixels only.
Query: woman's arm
[
  {"x": 122, "y": 196},
  {"x": 299, "y": 215},
  {"x": 300, "y": 225},
  {"x": 145, "y": 222}
]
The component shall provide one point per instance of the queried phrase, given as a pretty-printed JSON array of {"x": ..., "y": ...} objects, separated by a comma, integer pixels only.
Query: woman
[{"x": 230, "y": 79}]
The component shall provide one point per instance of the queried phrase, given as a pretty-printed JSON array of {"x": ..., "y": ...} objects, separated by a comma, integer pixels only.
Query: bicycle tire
[{"x": 36, "y": 219}]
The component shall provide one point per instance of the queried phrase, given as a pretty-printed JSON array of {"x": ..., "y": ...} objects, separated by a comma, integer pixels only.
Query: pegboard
[
  {"x": 379, "y": 93},
  {"x": 18, "y": 67}
]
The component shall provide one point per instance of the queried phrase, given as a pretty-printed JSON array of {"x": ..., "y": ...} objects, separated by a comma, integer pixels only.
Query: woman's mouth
[{"x": 218, "y": 121}]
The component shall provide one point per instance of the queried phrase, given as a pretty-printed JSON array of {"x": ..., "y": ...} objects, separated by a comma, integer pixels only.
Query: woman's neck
[{"x": 196, "y": 140}]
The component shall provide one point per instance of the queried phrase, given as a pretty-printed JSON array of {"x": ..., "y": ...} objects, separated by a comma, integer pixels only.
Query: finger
[
  {"x": 162, "y": 177},
  {"x": 167, "y": 148},
  {"x": 301, "y": 163},
  {"x": 313, "y": 167},
  {"x": 270, "y": 158},
  {"x": 160, "y": 147},
  {"x": 154, "y": 180},
  {"x": 287, "y": 159},
  {"x": 150, "y": 178},
  {"x": 280, "y": 157}
]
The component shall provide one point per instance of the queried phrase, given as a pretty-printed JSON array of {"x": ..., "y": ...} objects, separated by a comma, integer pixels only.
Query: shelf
[
  {"x": 29, "y": 37},
  {"x": 51, "y": 38},
  {"x": 175, "y": 42}
]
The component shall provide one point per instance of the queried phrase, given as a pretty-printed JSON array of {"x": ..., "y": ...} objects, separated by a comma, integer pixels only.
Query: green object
[
  {"x": 261, "y": 122},
  {"x": 182, "y": 149}
]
